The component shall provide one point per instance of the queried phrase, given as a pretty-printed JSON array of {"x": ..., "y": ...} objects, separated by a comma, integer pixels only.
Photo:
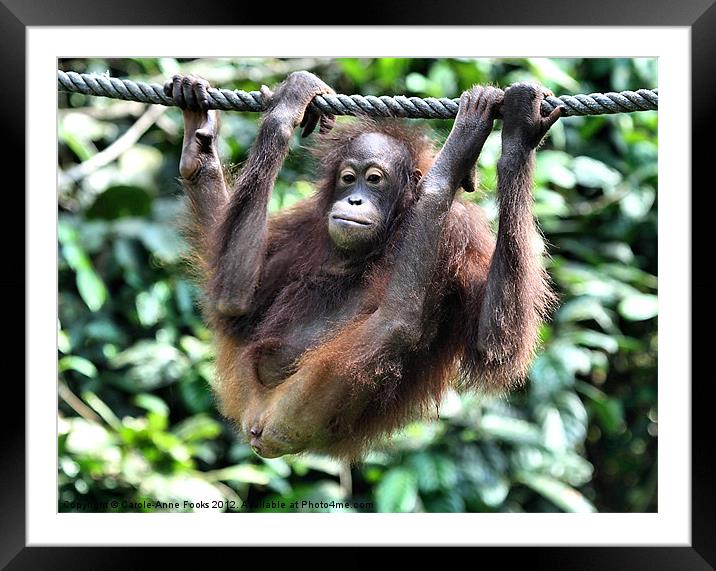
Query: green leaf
[
  {"x": 560, "y": 494},
  {"x": 631, "y": 275},
  {"x": 553, "y": 428},
  {"x": 160, "y": 239},
  {"x": 448, "y": 501},
  {"x": 91, "y": 288},
  {"x": 81, "y": 124},
  {"x": 79, "y": 364},
  {"x": 549, "y": 203},
  {"x": 321, "y": 464},
  {"x": 548, "y": 70},
  {"x": 242, "y": 473},
  {"x": 101, "y": 408},
  {"x": 609, "y": 411},
  {"x": 120, "y": 201},
  {"x": 391, "y": 70},
  {"x": 595, "y": 174},
  {"x": 564, "y": 422},
  {"x": 511, "y": 429},
  {"x": 78, "y": 145},
  {"x": 181, "y": 487},
  {"x": 575, "y": 359},
  {"x": 555, "y": 167},
  {"x": 639, "y": 307},
  {"x": 152, "y": 403},
  {"x": 486, "y": 474},
  {"x": 442, "y": 81},
  {"x": 138, "y": 164},
  {"x": 447, "y": 471},
  {"x": 416, "y": 83},
  {"x": 151, "y": 304},
  {"x": 195, "y": 348},
  {"x": 591, "y": 338},
  {"x": 196, "y": 393},
  {"x": 78, "y": 131},
  {"x": 549, "y": 373},
  {"x": 87, "y": 438},
  {"x": 584, "y": 308},
  {"x": 397, "y": 491},
  {"x": 425, "y": 468},
  {"x": 150, "y": 364},
  {"x": 64, "y": 344},
  {"x": 105, "y": 330},
  {"x": 638, "y": 202},
  {"x": 355, "y": 69}
]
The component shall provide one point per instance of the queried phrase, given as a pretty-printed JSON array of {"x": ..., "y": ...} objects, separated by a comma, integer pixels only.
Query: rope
[{"x": 383, "y": 106}]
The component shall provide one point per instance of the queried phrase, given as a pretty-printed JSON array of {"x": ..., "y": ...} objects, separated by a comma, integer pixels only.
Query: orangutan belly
[{"x": 274, "y": 366}]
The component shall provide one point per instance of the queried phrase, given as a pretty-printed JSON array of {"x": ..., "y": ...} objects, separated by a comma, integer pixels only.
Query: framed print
[{"x": 368, "y": 336}]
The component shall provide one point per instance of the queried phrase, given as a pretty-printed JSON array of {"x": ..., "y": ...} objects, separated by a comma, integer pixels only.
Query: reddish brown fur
[{"x": 397, "y": 386}]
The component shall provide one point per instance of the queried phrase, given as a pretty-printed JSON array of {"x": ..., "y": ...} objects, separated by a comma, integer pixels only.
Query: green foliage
[{"x": 137, "y": 419}]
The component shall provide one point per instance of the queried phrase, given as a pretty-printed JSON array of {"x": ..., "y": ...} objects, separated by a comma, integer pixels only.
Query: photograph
[{"x": 357, "y": 285}]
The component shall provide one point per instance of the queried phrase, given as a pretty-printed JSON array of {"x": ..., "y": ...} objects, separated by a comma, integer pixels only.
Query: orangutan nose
[{"x": 255, "y": 431}]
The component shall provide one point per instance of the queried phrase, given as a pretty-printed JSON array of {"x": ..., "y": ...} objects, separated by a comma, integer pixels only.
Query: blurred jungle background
[{"x": 136, "y": 417}]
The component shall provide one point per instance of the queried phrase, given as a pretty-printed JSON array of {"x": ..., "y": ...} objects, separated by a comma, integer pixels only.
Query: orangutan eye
[
  {"x": 374, "y": 176},
  {"x": 348, "y": 177}
]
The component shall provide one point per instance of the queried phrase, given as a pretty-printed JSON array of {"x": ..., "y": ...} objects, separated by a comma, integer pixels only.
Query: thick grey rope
[{"x": 383, "y": 106}]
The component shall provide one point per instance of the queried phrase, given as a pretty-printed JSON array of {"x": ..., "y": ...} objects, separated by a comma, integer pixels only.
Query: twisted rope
[{"x": 383, "y": 106}]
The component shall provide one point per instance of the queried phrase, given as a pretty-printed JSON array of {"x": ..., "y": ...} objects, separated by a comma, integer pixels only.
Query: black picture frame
[{"x": 698, "y": 15}]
